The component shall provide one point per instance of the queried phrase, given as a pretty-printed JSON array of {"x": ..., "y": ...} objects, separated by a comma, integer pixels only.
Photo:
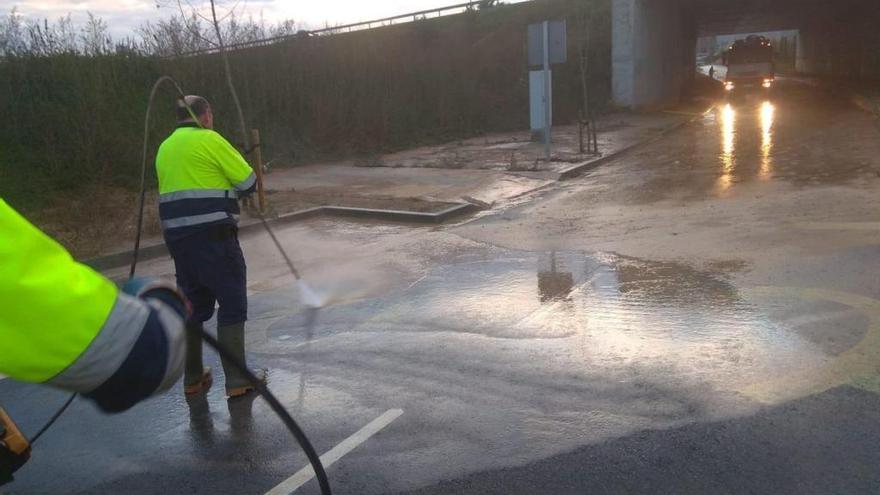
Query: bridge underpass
[{"x": 654, "y": 42}]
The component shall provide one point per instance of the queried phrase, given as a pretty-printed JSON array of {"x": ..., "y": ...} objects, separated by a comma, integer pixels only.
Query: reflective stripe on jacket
[
  {"x": 60, "y": 321},
  {"x": 200, "y": 176}
]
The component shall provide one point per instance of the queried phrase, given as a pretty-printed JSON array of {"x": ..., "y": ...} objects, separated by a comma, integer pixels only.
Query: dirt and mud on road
[{"x": 517, "y": 152}]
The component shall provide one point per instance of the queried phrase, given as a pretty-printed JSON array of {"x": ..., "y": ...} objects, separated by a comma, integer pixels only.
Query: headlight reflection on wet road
[
  {"x": 766, "y": 118},
  {"x": 728, "y": 135},
  {"x": 768, "y": 114}
]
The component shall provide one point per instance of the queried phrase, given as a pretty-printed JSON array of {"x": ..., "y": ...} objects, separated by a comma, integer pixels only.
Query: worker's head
[{"x": 199, "y": 107}]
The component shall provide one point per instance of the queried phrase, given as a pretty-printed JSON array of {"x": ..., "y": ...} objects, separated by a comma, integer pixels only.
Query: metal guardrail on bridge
[{"x": 356, "y": 26}]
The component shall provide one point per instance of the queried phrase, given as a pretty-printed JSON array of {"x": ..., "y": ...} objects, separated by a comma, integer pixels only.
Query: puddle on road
[
  {"x": 790, "y": 136},
  {"x": 601, "y": 314}
]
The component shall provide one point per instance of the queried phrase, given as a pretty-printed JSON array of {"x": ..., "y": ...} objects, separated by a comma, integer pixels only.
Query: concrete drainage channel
[{"x": 156, "y": 250}]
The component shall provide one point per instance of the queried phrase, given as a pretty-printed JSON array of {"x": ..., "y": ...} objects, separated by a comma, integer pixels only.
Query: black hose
[
  {"x": 140, "y": 222},
  {"x": 282, "y": 413},
  {"x": 54, "y": 418}
]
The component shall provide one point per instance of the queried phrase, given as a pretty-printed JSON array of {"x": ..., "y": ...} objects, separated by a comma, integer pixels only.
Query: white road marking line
[
  {"x": 2, "y": 377},
  {"x": 305, "y": 474}
]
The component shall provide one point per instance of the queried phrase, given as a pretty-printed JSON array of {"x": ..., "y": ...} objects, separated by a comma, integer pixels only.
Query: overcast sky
[{"x": 125, "y": 15}]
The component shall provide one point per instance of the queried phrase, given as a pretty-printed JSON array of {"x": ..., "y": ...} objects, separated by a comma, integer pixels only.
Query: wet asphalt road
[{"x": 699, "y": 316}]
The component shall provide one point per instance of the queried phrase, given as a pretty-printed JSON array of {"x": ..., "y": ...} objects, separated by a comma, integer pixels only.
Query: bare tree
[
  {"x": 283, "y": 28},
  {"x": 46, "y": 39},
  {"x": 192, "y": 28},
  {"x": 245, "y": 138},
  {"x": 587, "y": 114},
  {"x": 483, "y": 5},
  {"x": 12, "y": 34},
  {"x": 40, "y": 38},
  {"x": 174, "y": 36},
  {"x": 94, "y": 37}
]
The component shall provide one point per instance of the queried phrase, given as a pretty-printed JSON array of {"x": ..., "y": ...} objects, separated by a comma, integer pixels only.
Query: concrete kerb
[
  {"x": 152, "y": 251},
  {"x": 857, "y": 96},
  {"x": 588, "y": 165},
  {"x": 124, "y": 258},
  {"x": 868, "y": 103},
  {"x": 403, "y": 216},
  {"x": 116, "y": 260}
]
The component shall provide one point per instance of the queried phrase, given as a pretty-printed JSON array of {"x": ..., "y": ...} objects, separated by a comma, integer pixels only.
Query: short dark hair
[{"x": 197, "y": 104}]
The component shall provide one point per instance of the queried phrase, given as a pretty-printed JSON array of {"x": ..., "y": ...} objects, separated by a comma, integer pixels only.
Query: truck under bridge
[{"x": 654, "y": 41}]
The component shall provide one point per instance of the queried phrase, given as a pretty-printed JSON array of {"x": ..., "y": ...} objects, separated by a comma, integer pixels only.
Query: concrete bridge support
[
  {"x": 653, "y": 41},
  {"x": 653, "y": 51},
  {"x": 841, "y": 41}
]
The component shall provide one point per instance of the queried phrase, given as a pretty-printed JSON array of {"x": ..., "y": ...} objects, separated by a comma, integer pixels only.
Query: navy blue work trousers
[{"x": 211, "y": 269}]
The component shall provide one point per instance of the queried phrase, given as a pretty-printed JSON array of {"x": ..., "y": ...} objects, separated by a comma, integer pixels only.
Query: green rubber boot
[
  {"x": 231, "y": 337},
  {"x": 196, "y": 377}
]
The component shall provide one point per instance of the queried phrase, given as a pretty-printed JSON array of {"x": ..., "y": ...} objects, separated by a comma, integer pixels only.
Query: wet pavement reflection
[
  {"x": 607, "y": 311},
  {"x": 201, "y": 421},
  {"x": 728, "y": 122},
  {"x": 521, "y": 354},
  {"x": 730, "y": 133},
  {"x": 768, "y": 113},
  {"x": 794, "y": 135}
]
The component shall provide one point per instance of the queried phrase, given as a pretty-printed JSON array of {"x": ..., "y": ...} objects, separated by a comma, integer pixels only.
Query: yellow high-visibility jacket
[
  {"x": 200, "y": 178},
  {"x": 65, "y": 325}
]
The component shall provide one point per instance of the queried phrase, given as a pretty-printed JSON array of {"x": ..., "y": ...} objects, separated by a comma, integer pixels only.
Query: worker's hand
[
  {"x": 155, "y": 362},
  {"x": 156, "y": 288}
]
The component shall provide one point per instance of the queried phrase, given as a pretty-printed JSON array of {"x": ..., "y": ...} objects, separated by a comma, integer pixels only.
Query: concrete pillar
[
  {"x": 840, "y": 40},
  {"x": 816, "y": 48},
  {"x": 623, "y": 53},
  {"x": 647, "y": 51},
  {"x": 806, "y": 56},
  {"x": 871, "y": 49},
  {"x": 689, "y": 50}
]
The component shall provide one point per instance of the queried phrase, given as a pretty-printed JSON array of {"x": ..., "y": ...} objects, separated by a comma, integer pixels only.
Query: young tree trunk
[
  {"x": 245, "y": 138},
  {"x": 585, "y": 16}
]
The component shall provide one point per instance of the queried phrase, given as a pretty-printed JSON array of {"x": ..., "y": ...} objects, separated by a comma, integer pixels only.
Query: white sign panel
[{"x": 536, "y": 101}]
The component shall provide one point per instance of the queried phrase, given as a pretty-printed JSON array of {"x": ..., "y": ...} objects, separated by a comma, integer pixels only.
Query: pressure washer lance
[{"x": 309, "y": 298}]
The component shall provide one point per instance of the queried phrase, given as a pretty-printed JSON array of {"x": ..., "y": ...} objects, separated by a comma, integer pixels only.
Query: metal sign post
[
  {"x": 546, "y": 57},
  {"x": 547, "y": 45}
]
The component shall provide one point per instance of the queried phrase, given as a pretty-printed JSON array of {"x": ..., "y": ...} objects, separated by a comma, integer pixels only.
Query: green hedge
[{"x": 70, "y": 120}]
